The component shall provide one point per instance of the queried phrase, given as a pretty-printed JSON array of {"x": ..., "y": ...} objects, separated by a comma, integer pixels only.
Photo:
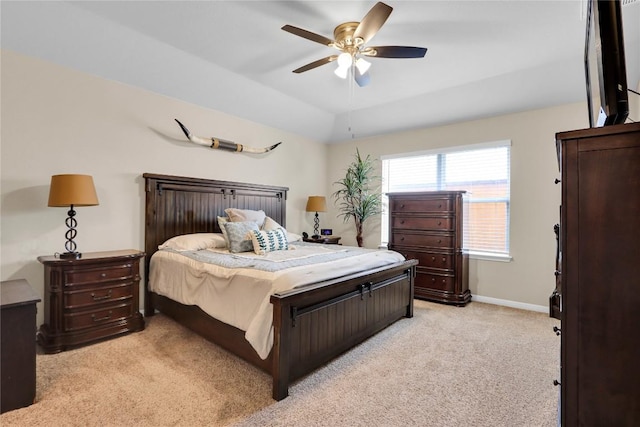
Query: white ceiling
[{"x": 484, "y": 57}]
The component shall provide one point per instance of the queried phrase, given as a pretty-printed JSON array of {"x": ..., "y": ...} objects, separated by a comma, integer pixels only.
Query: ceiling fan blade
[
  {"x": 395, "y": 52},
  {"x": 373, "y": 21},
  {"x": 315, "y": 64},
  {"x": 361, "y": 79},
  {"x": 308, "y": 35}
]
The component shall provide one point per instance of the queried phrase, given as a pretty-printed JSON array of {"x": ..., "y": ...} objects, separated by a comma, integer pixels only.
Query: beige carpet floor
[{"x": 481, "y": 365}]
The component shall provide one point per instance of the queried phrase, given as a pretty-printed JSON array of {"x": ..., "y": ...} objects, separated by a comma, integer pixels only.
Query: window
[{"x": 483, "y": 170}]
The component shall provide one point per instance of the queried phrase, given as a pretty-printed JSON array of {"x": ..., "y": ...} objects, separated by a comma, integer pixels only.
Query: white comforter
[{"x": 240, "y": 296}]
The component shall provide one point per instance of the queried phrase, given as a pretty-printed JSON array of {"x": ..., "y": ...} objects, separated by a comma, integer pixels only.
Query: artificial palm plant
[{"x": 359, "y": 194}]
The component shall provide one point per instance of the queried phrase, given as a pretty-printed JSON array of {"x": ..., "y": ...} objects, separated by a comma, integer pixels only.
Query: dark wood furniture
[
  {"x": 427, "y": 226},
  {"x": 312, "y": 324},
  {"x": 17, "y": 344},
  {"x": 90, "y": 298},
  {"x": 327, "y": 240},
  {"x": 599, "y": 290}
]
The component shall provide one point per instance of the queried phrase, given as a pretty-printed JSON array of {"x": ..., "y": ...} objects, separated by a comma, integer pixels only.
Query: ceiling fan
[{"x": 350, "y": 39}]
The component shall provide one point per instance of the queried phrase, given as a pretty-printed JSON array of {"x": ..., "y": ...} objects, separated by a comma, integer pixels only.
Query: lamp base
[{"x": 70, "y": 255}]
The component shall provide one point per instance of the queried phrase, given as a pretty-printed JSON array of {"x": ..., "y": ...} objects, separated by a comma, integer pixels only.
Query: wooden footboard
[{"x": 316, "y": 323}]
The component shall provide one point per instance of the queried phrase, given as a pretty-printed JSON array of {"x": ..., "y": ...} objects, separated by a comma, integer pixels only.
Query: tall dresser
[
  {"x": 598, "y": 291},
  {"x": 427, "y": 226}
]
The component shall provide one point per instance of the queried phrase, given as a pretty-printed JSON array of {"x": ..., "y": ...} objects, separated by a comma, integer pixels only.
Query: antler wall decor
[{"x": 223, "y": 144}]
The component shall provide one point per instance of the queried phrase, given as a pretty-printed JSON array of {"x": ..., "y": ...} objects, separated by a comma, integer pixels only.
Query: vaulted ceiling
[{"x": 484, "y": 58}]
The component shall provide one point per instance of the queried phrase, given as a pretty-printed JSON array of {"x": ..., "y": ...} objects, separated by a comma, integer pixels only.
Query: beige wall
[
  {"x": 55, "y": 120},
  {"x": 535, "y": 199}
]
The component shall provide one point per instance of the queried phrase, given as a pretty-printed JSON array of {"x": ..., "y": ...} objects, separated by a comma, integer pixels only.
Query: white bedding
[{"x": 240, "y": 296}]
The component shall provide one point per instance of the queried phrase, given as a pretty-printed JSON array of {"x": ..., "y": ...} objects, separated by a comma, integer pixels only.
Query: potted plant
[{"x": 359, "y": 194}]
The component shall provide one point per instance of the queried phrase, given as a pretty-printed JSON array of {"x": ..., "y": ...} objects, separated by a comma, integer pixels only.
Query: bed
[{"x": 311, "y": 324}]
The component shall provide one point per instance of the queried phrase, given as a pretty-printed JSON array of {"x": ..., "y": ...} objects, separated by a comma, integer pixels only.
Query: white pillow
[
  {"x": 271, "y": 224},
  {"x": 244, "y": 215},
  {"x": 269, "y": 240},
  {"x": 194, "y": 242}
]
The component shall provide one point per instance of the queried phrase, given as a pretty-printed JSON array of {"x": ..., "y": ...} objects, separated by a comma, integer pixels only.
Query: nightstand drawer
[
  {"x": 96, "y": 275},
  {"x": 423, "y": 223},
  {"x": 88, "y": 319},
  {"x": 422, "y": 240},
  {"x": 97, "y": 295}
]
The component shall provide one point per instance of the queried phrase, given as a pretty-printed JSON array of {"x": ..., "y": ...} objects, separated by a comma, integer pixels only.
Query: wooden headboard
[{"x": 180, "y": 205}]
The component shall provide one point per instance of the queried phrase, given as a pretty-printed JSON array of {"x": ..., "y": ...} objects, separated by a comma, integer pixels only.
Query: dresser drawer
[
  {"x": 423, "y": 223},
  {"x": 422, "y": 240},
  {"x": 88, "y": 297},
  {"x": 103, "y": 273},
  {"x": 417, "y": 205},
  {"x": 434, "y": 281},
  {"x": 92, "y": 318},
  {"x": 430, "y": 259}
]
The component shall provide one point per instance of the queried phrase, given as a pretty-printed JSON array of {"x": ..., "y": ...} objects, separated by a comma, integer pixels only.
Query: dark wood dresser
[
  {"x": 17, "y": 344},
  {"x": 427, "y": 226},
  {"x": 598, "y": 294},
  {"x": 90, "y": 298}
]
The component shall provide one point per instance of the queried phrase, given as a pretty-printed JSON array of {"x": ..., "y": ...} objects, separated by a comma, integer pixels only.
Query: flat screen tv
[{"x": 604, "y": 61}]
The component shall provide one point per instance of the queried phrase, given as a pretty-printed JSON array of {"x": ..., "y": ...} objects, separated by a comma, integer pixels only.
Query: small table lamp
[
  {"x": 316, "y": 204},
  {"x": 70, "y": 191}
]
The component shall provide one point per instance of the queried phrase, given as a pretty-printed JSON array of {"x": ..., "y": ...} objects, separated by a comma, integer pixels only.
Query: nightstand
[
  {"x": 327, "y": 240},
  {"x": 90, "y": 298},
  {"x": 17, "y": 344}
]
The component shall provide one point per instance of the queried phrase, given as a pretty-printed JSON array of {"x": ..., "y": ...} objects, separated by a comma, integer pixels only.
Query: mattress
[{"x": 236, "y": 288}]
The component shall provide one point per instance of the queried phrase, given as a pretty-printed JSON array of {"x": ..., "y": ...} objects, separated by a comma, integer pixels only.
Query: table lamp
[
  {"x": 316, "y": 204},
  {"x": 69, "y": 191}
]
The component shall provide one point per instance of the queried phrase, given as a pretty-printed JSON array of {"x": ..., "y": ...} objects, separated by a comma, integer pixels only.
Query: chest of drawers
[
  {"x": 427, "y": 226},
  {"x": 91, "y": 298}
]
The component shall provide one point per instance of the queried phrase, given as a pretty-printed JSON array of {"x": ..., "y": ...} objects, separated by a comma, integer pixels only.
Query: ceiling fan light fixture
[
  {"x": 342, "y": 71},
  {"x": 345, "y": 60},
  {"x": 362, "y": 65}
]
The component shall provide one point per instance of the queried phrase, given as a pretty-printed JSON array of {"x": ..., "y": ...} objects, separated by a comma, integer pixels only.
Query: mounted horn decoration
[{"x": 223, "y": 144}]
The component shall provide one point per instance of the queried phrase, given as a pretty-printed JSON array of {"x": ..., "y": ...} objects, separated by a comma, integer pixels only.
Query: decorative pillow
[
  {"x": 243, "y": 215},
  {"x": 271, "y": 224},
  {"x": 269, "y": 240},
  {"x": 222, "y": 220},
  {"x": 293, "y": 237},
  {"x": 237, "y": 234},
  {"x": 194, "y": 242}
]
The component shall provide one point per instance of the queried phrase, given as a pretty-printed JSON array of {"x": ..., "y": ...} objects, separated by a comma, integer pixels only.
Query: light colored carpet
[{"x": 481, "y": 365}]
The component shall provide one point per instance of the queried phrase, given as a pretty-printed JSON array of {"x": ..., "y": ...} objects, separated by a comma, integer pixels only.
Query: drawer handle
[
  {"x": 433, "y": 258},
  {"x": 402, "y": 239},
  {"x": 439, "y": 222},
  {"x": 100, "y": 319},
  {"x": 439, "y": 205},
  {"x": 103, "y": 274},
  {"x": 402, "y": 206},
  {"x": 95, "y": 298},
  {"x": 439, "y": 240},
  {"x": 402, "y": 221},
  {"x": 433, "y": 280},
  {"x": 444, "y": 260}
]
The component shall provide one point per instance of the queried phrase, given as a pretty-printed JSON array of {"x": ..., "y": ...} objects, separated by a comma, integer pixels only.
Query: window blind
[{"x": 482, "y": 170}]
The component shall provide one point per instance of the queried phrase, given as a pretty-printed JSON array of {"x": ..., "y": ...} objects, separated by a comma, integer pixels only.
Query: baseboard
[{"x": 512, "y": 304}]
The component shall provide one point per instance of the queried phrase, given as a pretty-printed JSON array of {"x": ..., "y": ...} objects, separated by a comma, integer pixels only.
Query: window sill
[{"x": 488, "y": 256}]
